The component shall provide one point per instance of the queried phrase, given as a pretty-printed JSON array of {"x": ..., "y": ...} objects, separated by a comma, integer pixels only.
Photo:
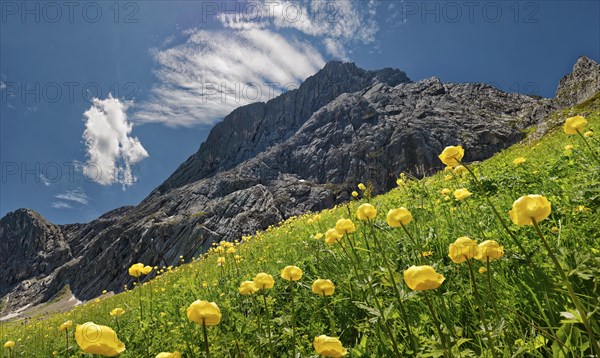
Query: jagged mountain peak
[{"x": 580, "y": 84}]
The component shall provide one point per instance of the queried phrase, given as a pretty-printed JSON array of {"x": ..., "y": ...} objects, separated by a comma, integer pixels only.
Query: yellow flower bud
[
  {"x": 291, "y": 273},
  {"x": 574, "y": 125},
  {"x": 136, "y": 270},
  {"x": 366, "y": 211},
  {"x": 332, "y": 236},
  {"x": 117, "y": 312},
  {"x": 204, "y": 312},
  {"x": 264, "y": 281},
  {"x": 519, "y": 160},
  {"x": 247, "y": 288},
  {"x": 66, "y": 325},
  {"x": 345, "y": 226},
  {"x": 452, "y": 155},
  {"x": 168, "y": 355},
  {"x": 399, "y": 217},
  {"x": 96, "y": 339},
  {"x": 323, "y": 287},
  {"x": 462, "y": 249},
  {"x": 489, "y": 249},
  {"x": 329, "y": 346},
  {"x": 362, "y": 187},
  {"x": 9, "y": 344},
  {"x": 462, "y": 194},
  {"x": 421, "y": 278},
  {"x": 529, "y": 206}
]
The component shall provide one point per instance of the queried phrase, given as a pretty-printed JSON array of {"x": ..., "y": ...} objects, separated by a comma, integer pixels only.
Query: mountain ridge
[{"x": 308, "y": 165}]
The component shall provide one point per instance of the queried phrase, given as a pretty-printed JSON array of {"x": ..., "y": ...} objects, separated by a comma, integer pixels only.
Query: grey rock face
[
  {"x": 303, "y": 151},
  {"x": 579, "y": 85}
]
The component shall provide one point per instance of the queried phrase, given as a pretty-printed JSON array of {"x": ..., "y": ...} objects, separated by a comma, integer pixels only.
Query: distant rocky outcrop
[{"x": 302, "y": 151}]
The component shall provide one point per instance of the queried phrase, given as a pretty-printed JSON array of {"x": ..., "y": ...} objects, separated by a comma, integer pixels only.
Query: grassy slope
[{"x": 529, "y": 298}]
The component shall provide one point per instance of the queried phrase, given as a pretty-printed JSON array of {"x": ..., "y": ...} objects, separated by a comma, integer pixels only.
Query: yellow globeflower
[
  {"x": 462, "y": 194},
  {"x": 462, "y": 249},
  {"x": 355, "y": 194},
  {"x": 96, "y": 339},
  {"x": 147, "y": 270},
  {"x": 482, "y": 269},
  {"x": 448, "y": 177},
  {"x": 361, "y": 186},
  {"x": 569, "y": 147},
  {"x": 221, "y": 261},
  {"x": 291, "y": 273},
  {"x": 529, "y": 206},
  {"x": 452, "y": 155},
  {"x": 329, "y": 346},
  {"x": 366, "y": 211},
  {"x": 264, "y": 281},
  {"x": 588, "y": 134},
  {"x": 445, "y": 191},
  {"x": 574, "y": 125},
  {"x": 66, "y": 325},
  {"x": 204, "y": 312},
  {"x": 247, "y": 288},
  {"x": 345, "y": 226},
  {"x": 460, "y": 170},
  {"x": 136, "y": 270},
  {"x": 9, "y": 344},
  {"x": 168, "y": 355},
  {"x": 323, "y": 287},
  {"x": 231, "y": 250},
  {"x": 332, "y": 236},
  {"x": 399, "y": 217},
  {"x": 117, "y": 312},
  {"x": 489, "y": 249},
  {"x": 519, "y": 160},
  {"x": 421, "y": 278}
]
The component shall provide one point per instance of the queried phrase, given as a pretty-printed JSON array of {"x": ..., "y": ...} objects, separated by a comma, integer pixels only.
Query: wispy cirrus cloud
[
  {"x": 67, "y": 198},
  {"x": 61, "y": 205},
  {"x": 256, "y": 55}
]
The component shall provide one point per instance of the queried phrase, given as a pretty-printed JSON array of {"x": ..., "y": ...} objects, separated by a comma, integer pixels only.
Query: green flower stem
[
  {"x": 436, "y": 323},
  {"x": 330, "y": 315},
  {"x": 384, "y": 322},
  {"x": 413, "y": 342},
  {"x": 493, "y": 299},
  {"x": 414, "y": 242},
  {"x": 260, "y": 329},
  {"x": 293, "y": 317},
  {"x": 487, "y": 199},
  {"x": 480, "y": 306},
  {"x": 67, "y": 339},
  {"x": 264, "y": 294},
  {"x": 578, "y": 306},
  {"x": 594, "y": 155},
  {"x": 140, "y": 298},
  {"x": 205, "y": 338}
]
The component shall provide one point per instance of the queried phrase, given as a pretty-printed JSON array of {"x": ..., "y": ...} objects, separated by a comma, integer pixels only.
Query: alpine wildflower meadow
[{"x": 493, "y": 259}]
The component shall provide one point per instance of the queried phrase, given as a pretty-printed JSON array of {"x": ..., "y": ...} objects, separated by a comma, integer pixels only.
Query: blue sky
[{"x": 174, "y": 68}]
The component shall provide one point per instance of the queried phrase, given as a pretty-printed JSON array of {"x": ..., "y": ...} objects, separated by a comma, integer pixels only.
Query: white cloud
[
  {"x": 212, "y": 73},
  {"x": 61, "y": 205},
  {"x": 45, "y": 180},
  {"x": 215, "y": 71},
  {"x": 76, "y": 195},
  {"x": 111, "y": 151}
]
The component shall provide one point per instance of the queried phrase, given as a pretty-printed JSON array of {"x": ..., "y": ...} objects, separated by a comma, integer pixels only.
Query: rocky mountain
[{"x": 302, "y": 151}]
